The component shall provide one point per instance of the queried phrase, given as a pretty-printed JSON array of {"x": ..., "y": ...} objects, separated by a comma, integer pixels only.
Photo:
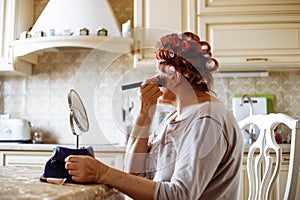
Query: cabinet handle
[
  {"x": 256, "y": 59},
  {"x": 286, "y": 159}
]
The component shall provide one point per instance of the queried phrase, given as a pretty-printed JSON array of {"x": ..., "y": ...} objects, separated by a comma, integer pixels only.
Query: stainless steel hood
[{"x": 62, "y": 15}]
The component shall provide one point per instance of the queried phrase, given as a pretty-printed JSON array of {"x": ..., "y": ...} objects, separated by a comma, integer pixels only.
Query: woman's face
[{"x": 168, "y": 97}]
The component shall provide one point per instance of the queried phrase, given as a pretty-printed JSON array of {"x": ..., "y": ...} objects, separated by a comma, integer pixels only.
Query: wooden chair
[{"x": 262, "y": 169}]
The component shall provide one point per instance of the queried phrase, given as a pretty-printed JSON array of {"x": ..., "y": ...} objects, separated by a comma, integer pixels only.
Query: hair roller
[
  {"x": 210, "y": 64},
  {"x": 199, "y": 47},
  {"x": 185, "y": 45},
  {"x": 190, "y": 56},
  {"x": 175, "y": 40},
  {"x": 206, "y": 46},
  {"x": 164, "y": 42},
  {"x": 190, "y": 36},
  {"x": 171, "y": 53}
]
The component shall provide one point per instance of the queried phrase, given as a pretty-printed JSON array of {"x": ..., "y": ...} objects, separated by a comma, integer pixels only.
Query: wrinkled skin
[{"x": 85, "y": 169}]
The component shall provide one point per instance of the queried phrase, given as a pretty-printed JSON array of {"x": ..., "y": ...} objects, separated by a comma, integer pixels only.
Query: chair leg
[{"x": 292, "y": 179}]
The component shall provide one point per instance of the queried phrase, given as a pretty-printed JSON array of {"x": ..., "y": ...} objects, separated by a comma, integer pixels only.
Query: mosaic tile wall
[
  {"x": 285, "y": 86},
  {"x": 42, "y": 97}
]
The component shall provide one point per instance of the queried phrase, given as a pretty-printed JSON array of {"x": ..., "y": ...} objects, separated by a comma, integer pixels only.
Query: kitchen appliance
[
  {"x": 73, "y": 15},
  {"x": 15, "y": 130},
  {"x": 242, "y": 108},
  {"x": 241, "y": 112}
]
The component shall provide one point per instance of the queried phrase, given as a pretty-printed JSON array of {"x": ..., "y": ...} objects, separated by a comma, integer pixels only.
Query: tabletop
[{"x": 23, "y": 182}]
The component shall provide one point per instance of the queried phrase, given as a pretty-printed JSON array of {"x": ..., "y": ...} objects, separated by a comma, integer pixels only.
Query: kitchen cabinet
[
  {"x": 39, "y": 158},
  {"x": 281, "y": 181},
  {"x": 252, "y": 35},
  {"x": 220, "y": 7},
  {"x": 154, "y": 18},
  {"x": 16, "y": 16}
]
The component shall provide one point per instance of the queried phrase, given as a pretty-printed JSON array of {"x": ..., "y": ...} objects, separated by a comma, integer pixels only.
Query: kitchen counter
[
  {"x": 104, "y": 147},
  {"x": 22, "y": 182},
  {"x": 285, "y": 148},
  {"x": 50, "y": 147},
  {"x": 38, "y": 154}
]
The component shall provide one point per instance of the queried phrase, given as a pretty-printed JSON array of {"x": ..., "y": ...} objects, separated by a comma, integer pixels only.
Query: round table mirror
[{"x": 77, "y": 115}]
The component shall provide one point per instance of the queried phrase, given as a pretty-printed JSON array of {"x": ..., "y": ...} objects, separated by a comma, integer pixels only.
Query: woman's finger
[{"x": 71, "y": 158}]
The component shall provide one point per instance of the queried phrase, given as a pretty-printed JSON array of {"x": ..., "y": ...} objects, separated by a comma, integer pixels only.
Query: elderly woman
[{"x": 196, "y": 152}]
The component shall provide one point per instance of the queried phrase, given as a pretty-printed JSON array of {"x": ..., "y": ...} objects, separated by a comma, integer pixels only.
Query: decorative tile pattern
[{"x": 42, "y": 97}]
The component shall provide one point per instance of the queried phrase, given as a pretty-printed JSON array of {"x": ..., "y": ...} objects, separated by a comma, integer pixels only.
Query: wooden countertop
[{"x": 22, "y": 182}]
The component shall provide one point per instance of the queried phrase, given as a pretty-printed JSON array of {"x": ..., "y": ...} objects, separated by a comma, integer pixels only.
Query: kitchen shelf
[{"x": 28, "y": 50}]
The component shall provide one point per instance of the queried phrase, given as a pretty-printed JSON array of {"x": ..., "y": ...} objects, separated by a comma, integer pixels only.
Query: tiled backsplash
[
  {"x": 42, "y": 97},
  {"x": 285, "y": 86}
]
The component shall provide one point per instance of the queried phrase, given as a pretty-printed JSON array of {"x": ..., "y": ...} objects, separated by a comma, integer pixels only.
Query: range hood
[
  {"x": 73, "y": 15},
  {"x": 70, "y": 16}
]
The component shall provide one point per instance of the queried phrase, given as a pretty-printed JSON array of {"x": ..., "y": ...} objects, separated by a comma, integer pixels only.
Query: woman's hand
[
  {"x": 86, "y": 169},
  {"x": 149, "y": 93}
]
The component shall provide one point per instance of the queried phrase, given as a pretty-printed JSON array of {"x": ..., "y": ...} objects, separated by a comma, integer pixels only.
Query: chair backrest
[{"x": 260, "y": 170}]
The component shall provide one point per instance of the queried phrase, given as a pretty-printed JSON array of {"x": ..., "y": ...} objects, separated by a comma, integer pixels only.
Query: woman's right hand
[{"x": 149, "y": 93}]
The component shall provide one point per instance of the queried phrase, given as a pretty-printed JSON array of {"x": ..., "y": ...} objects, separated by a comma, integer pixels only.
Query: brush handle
[
  {"x": 132, "y": 85},
  {"x": 161, "y": 82}
]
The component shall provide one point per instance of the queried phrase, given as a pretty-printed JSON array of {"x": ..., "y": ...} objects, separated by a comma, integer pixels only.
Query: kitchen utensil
[{"x": 77, "y": 114}]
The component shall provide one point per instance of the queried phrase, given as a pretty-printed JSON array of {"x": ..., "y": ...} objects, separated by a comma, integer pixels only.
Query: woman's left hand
[{"x": 85, "y": 169}]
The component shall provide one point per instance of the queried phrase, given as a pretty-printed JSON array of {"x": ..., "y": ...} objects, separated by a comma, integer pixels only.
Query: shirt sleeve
[{"x": 199, "y": 152}]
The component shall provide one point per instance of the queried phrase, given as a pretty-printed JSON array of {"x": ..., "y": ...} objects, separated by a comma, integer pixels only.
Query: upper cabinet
[
  {"x": 16, "y": 16},
  {"x": 252, "y": 35},
  {"x": 245, "y": 35},
  {"x": 154, "y": 18}
]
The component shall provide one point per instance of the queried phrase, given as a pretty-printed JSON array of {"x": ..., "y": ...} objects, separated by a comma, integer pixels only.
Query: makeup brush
[{"x": 161, "y": 82}]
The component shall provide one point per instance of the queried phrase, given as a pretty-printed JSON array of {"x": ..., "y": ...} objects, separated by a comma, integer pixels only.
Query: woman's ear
[{"x": 174, "y": 77}]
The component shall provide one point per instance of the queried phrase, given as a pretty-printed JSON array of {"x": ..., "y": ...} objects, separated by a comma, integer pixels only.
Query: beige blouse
[{"x": 197, "y": 157}]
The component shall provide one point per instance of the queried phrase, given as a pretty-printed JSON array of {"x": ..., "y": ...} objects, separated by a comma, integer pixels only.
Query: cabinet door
[
  {"x": 115, "y": 159},
  {"x": 244, "y": 184},
  {"x": 24, "y": 158},
  {"x": 214, "y": 7},
  {"x": 4, "y": 38},
  {"x": 16, "y": 16},
  {"x": 154, "y": 18},
  {"x": 154, "y": 14},
  {"x": 252, "y": 43},
  {"x": 283, "y": 177},
  {"x": 35, "y": 158}
]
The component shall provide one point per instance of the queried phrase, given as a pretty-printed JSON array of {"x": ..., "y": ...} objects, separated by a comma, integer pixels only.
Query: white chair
[{"x": 260, "y": 170}]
